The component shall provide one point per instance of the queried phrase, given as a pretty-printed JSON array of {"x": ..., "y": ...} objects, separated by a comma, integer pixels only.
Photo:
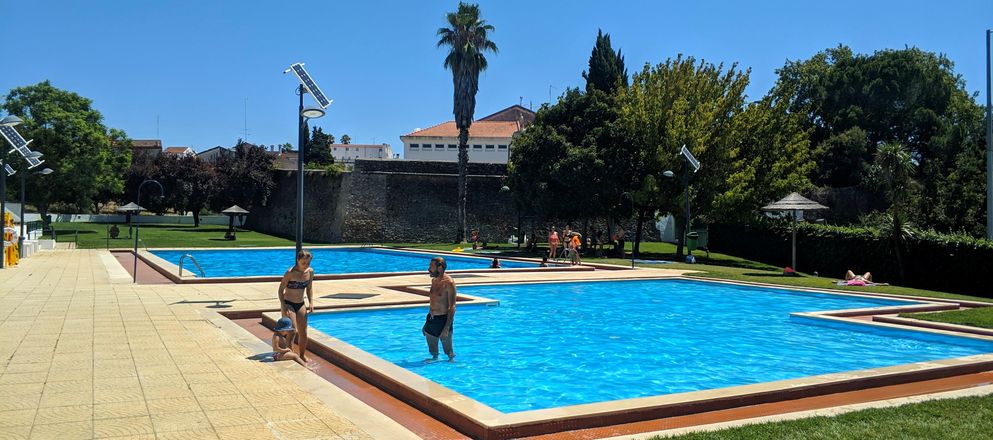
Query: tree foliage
[
  {"x": 88, "y": 159},
  {"x": 345, "y": 139},
  {"x": 318, "y": 150},
  {"x": 607, "y": 71},
  {"x": 244, "y": 178},
  {"x": 855, "y": 103},
  {"x": 684, "y": 102}
]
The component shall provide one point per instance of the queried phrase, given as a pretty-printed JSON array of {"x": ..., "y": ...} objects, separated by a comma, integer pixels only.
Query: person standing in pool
[
  {"x": 296, "y": 281},
  {"x": 438, "y": 324}
]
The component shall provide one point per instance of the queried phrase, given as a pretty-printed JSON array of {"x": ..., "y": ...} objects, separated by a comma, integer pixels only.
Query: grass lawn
[
  {"x": 964, "y": 418},
  {"x": 94, "y": 236},
  {"x": 717, "y": 265},
  {"x": 981, "y": 317}
]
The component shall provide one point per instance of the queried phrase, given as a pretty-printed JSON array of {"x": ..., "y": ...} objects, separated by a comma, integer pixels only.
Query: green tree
[
  {"x": 683, "y": 102},
  {"x": 319, "y": 148},
  {"x": 467, "y": 40},
  {"x": 896, "y": 169},
  {"x": 346, "y": 139},
  {"x": 855, "y": 102},
  {"x": 88, "y": 159},
  {"x": 607, "y": 71},
  {"x": 769, "y": 158},
  {"x": 189, "y": 183},
  {"x": 244, "y": 178}
]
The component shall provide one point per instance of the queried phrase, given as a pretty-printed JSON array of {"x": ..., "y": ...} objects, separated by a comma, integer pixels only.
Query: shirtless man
[{"x": 438, "y": 324}]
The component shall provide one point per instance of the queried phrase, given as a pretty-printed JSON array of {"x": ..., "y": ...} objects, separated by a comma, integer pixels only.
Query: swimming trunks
[
  {"x": 293, "y": 284},
  {"x": 295, "y": 306},
  {"x": 436, "y": 323}
]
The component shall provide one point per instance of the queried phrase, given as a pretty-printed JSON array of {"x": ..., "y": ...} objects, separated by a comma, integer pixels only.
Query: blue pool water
[
  {"x": 268, "y": 262},
  {"x": 550, "y": 345}
]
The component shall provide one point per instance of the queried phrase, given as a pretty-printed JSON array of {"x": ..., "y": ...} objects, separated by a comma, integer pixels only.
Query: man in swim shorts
[{"x": 438, "y": 324}]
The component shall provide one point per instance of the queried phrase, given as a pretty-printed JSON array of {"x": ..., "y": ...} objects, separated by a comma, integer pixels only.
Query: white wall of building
[
  {"x": 348, "y": 153},
  {"x": 481, "y": 150}
]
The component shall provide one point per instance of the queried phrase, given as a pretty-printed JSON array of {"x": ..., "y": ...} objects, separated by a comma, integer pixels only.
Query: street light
[
  {"x": 989, "y": 142},
  {"x": 312, "y": 112},
  {"x": 14, "y": 138},
  {"x": 10, "y": 121},
  {"x": 161, "y": 194},
  {"x": 307, "y": 85}
]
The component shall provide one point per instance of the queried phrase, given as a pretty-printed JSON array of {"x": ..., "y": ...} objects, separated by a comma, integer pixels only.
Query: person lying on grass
[{"x": 858, "y": 280}]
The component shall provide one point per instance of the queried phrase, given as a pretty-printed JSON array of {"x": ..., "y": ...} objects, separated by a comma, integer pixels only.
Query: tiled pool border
[
  {"x": 481, "y": 421},
  {"x": 171, "y": 271}
]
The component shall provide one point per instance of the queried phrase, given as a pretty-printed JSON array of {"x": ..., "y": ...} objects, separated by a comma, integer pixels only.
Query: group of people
[
  {"x": 298, "y": 284},
  {"x": 571, "y": 245}
]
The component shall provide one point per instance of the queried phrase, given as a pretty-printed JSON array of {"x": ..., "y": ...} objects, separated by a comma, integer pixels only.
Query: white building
[
  {"x": 347, "y": 153},
  {"x": 212, "y": 155},
  {"x": 489, "y": 138},
  {"x": 179, "y": 151}
]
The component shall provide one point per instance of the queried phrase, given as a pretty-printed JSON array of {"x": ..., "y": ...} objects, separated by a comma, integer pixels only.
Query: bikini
[{"x": 294, "y": 284}]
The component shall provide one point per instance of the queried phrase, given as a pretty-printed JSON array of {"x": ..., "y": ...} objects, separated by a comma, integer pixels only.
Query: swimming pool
[
  {"x": 274, "y": 262},
  {"x": 558, "y": 344}
]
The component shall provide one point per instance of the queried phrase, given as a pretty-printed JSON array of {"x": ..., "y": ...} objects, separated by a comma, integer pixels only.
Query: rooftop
[
  {"x": 478, "y": 129},
  {"x": 146, "y": 143}
]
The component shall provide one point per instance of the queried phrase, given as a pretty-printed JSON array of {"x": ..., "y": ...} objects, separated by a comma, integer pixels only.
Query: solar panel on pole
[
  {"x": 309, "y": 83},
  {"x": 690, "y": 158},
  {"x": 19, "y": 144},
  {"x": 10, "y": 171}
]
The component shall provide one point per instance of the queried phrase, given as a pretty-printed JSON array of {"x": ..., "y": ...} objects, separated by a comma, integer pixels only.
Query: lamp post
[
  {"x": 305, "y": 115},
  {"x": 136, "y": 225},
  {"x": 989, "y": 142},
  {"x": 24, "y": 173}
]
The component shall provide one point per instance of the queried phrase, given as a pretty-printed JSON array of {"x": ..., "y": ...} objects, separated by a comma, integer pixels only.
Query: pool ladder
[{"x": 194, "y": 260}]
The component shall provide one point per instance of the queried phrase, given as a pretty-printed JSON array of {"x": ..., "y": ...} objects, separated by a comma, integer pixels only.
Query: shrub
[{"x": 946, "y": 262}]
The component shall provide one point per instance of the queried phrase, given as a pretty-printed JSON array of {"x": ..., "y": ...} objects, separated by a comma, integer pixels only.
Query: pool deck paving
[{"x": 85, "y": 353}]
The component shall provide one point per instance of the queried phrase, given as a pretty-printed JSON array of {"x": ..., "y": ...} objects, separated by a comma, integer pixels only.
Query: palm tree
[
  {"x": 896, "y": 168},
  {"x": 466, "y": 38}
]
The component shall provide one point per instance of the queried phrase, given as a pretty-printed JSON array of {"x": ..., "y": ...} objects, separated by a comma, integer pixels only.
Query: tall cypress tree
[{"x": 606, "y": 66}]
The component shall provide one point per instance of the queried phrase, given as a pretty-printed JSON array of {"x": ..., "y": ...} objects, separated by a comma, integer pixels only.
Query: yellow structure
[{"x": 10, "y": 254}]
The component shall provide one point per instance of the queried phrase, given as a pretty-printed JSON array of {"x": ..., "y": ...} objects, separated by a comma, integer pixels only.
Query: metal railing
[{"x": 194, "y": 260}]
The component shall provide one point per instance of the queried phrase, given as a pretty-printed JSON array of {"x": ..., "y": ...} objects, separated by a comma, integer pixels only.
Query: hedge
[{"x": 934, "y": 261}]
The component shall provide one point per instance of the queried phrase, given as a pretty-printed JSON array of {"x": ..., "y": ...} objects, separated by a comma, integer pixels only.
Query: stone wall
[
  {"x": 388, "y": 201},
  {"x": 321, "y": 216},
  {"x": 400, "y": 201}
]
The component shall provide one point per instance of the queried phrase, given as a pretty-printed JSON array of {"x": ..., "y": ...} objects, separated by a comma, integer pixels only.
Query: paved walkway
[{"x": 86, "y": 354}]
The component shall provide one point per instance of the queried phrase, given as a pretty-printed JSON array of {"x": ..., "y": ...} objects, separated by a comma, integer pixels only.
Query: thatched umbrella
[
  {"x": 128, "y": 210},
  {"x": 231, "y": 213},
  {"x": 795, "y": 205}
]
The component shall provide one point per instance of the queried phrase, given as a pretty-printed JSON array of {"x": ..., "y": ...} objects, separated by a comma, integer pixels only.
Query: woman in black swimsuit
[{"x": 296, "y": 280}]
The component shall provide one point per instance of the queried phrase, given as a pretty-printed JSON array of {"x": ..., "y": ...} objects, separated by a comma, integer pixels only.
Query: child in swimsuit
[{"x": 282, "y": 338}]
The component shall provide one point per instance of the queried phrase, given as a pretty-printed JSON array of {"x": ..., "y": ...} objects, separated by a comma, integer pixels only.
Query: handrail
[{"x": 194, "y": 260}]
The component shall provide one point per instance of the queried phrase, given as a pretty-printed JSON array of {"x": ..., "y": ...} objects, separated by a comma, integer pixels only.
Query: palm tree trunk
[{"x": 463, "y": 184}]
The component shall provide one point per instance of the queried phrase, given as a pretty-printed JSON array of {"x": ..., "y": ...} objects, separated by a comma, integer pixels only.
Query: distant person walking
[
  {"x": 296, "y": 281},
  {"x": 553, "y": 243},
  {"x": 441, "y": 314}
]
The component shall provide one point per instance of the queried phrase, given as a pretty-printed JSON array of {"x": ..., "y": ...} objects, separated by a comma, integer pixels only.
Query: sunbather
[{"x": 858, "y": 280}]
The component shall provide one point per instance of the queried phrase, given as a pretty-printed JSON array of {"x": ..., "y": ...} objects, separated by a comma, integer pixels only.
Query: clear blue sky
[{"x": 193, "y": 64}]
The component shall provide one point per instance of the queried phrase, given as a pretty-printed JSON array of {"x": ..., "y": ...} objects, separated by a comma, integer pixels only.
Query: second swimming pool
[{"x": 274, "y": 262}]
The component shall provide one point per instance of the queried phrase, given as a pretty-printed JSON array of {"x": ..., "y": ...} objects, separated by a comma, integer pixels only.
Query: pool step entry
[{"x": 194, "y": 260}]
